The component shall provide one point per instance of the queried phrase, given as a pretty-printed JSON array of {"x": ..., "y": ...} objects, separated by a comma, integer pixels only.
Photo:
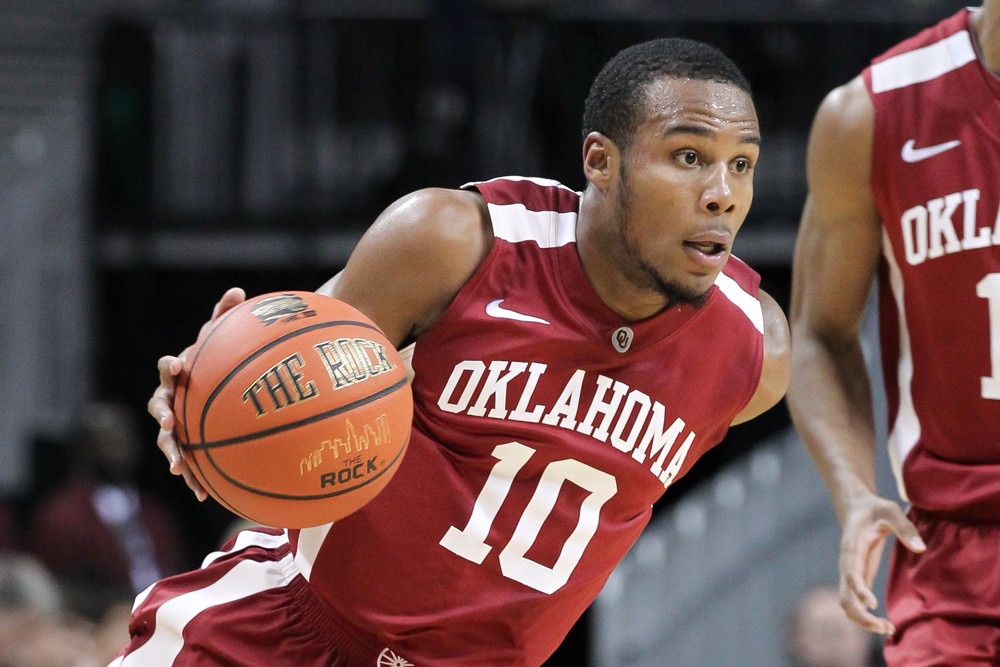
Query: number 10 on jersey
[{"x": 470, "y": 542}]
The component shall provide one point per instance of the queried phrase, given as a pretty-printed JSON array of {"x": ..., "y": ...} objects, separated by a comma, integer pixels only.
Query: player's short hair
[{"x": 616, "y": 104}]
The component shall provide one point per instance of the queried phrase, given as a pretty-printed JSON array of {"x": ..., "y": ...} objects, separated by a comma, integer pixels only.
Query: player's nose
[{"x": 718, "y": 197}]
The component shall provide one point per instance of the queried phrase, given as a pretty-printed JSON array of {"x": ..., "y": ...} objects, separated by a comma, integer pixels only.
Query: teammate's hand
[
  {"x": 866, "y": 525},
  {"x": 161, "y": 404}
]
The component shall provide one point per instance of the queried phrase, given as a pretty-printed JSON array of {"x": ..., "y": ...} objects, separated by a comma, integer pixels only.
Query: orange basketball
[{"x": 293, "y": 409}]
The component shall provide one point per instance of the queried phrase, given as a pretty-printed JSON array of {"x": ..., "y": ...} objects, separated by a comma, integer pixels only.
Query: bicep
[{"x": 839, "y": 238}]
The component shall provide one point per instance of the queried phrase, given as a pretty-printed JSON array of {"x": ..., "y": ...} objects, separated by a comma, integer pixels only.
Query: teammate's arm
[
  {"x": 403, "y": 274},
  {"x": 830, "y": 393},
  {"x": 774, "y": 374}
]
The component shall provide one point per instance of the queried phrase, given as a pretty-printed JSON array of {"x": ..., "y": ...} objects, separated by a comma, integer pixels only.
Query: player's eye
[
  {"x": 741, "y": 165},
  {"x": 688, "y": 158}
]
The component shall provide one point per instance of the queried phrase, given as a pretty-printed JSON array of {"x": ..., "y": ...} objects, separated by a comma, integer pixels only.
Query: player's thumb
[{"x": 907, "y": 533}]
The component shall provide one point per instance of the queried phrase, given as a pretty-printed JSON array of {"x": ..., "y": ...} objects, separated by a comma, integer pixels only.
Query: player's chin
[
  {"x": 697, "y": 283},
  {"x": 701, "y": 276},
  {"x": 697, "y": 294},
  {"x": 691, "y": 290}
]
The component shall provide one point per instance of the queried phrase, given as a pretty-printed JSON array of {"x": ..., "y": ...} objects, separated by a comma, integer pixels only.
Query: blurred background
[{"x": 156, "y": 152}]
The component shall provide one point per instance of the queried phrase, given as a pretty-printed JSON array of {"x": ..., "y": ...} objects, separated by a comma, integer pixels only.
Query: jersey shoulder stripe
[
  {"x": 515, "y": 223},
  {"x": 523, "y": 209},
  {"x": 749, "y": 304},
  {"x": 535, "y": 194},
  {"x": 923, "y": 64}
]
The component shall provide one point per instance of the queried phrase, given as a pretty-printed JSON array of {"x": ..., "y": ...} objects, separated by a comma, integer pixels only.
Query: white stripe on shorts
[
  {"x": 246, "y": 539},
  {"x": 245, "y": 579}
]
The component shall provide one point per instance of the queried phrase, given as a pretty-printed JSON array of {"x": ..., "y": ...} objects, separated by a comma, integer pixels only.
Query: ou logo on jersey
[
  {"x": 389, "y": 659},
  {"x": 622, "y": 339}
]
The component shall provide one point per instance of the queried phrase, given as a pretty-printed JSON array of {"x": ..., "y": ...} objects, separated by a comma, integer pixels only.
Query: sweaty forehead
[{"x": 673, "y": 99}]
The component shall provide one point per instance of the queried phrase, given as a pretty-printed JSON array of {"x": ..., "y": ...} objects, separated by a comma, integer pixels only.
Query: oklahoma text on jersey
[
  {"x": 623, "y": 407},
  {"x": 929, "y": 231}
]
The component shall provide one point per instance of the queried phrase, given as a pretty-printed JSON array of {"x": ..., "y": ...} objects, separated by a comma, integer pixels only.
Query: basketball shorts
[
  {"x": 945, "y": 602},
  {"x": 247, "y": 605}
]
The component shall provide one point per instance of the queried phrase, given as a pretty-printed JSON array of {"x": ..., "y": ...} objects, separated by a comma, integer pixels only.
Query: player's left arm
[{"x": 775, "y": 374}]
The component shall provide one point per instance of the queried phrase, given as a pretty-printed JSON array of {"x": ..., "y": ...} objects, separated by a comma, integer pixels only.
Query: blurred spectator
[
  {"x": 34, "y": 631},
  {"x": 821, "y": 635},
  {"x": 100, "y": 534}
]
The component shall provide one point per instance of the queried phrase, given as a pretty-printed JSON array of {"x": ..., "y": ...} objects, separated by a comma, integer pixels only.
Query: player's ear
[{"x": 600, "y": 159}]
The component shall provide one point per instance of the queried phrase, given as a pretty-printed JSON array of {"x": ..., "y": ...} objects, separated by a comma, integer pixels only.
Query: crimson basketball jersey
[
  {"x": 545, "y": 427},
  {"x": 936, "y": 179}
]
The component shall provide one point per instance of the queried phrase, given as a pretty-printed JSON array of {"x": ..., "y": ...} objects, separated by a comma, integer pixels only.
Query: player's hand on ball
[
  {"x": 293, "y": 410},
  {"x": 160, "y": 405}
]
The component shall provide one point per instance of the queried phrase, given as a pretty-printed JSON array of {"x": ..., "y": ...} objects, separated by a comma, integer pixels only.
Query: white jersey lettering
[
  {"x": 929, "y": 230},
  {"x": 625, "y": 414}
]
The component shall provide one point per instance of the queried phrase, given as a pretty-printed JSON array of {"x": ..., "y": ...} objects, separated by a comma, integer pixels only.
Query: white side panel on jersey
[
  {"x": 905, "y": 430},
  {"x": 923, "y": 64},
  {"x": 307, "y": 548},
  {"x": 406, "y": 354},
  {"x": 515, "y": 223},
  {"x": 748, "y": 304},
  {"x": 245, "y": 579}
]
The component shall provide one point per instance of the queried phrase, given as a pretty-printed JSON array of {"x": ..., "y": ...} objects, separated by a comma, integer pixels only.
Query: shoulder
[
  {"x": 434, "y": 215},
  {"x": 845, "y": 115},
  {"x": 839, "y": 154},
  {"x": 776, "y": 365},
  {"x": 414, "y": 259},
  {"x": 435, "y": 228},
  {"x": 777, "y": 341}
]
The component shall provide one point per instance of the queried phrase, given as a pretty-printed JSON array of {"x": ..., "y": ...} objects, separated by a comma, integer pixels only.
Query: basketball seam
[
  {"x": 219, "y": 387},
  {"x": 203, "y": 477},
  {"x": 187, "y": 435},
  {"x": 385, "y": 391},
  {"x": 321, "y": 496}
]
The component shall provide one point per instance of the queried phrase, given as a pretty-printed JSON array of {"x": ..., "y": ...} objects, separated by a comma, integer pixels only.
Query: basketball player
[
  {"x": 575, "y": 353},
  {"x": 904, "y": 175}
]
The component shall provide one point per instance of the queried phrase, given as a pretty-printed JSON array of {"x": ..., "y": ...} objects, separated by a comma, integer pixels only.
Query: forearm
[{"x": 829, "y": 399}]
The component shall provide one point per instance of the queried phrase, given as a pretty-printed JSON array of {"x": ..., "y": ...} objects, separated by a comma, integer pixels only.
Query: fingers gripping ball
[{"x": 293, "y": 409}]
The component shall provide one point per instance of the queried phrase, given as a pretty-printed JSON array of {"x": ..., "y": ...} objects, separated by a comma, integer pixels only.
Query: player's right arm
[
  {"x": 829, "y": 396},
  {"x": 410, "y": 264},
  {"x": 403, "y": 274}
]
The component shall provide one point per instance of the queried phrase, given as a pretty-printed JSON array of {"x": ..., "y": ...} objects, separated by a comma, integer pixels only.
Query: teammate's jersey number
[
  {"x": 470, "y": 542},
  {"x": 989, "y": 288}
]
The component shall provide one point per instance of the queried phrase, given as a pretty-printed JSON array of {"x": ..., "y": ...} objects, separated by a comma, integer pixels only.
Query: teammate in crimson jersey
[
  {"x": 573, "y": 354},
  {"x": 904, "y": 173}
]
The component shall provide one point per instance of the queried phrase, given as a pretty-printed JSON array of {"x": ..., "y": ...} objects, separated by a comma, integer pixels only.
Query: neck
[
  {"x": 986, "y": 26},
  {"x": 600, "y": 254}
]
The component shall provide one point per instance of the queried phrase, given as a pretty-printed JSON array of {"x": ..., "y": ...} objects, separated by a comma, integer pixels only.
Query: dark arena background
[{"x": 155, "y": 152}]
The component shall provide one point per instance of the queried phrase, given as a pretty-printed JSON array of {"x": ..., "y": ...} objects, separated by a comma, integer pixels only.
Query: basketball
[{"x": 293, "y": 409}]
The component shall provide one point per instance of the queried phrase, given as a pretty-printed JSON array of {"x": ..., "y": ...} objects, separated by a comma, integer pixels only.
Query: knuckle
[{"x": 165, "y": 439}]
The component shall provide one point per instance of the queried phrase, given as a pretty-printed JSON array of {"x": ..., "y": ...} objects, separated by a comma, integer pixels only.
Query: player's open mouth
[{"x": 707, "y": 248}]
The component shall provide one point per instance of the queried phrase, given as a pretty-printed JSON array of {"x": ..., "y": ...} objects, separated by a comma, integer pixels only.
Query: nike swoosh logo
[
  {"x": 912, "y": 154},
  {"x": 493, "y": 309}
]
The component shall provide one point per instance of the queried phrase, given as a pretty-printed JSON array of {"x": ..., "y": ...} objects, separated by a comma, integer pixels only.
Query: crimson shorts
[
  {"x": 248, "y": 605},
  {"x": 945, "y": 602}
]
